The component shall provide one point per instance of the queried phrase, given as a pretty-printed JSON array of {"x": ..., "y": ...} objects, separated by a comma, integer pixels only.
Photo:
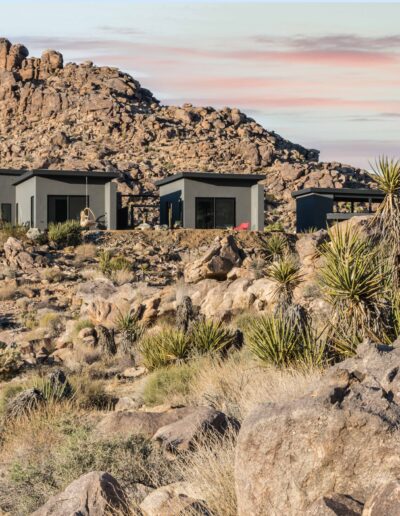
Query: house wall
[
  {"x": 102, "y": 198},
  {"x": 7, "y": 191},
  {"x": 23, "y": 194},
  {"x": 257, "y": 207},
  {"x": 312, "y": 210},
  {"x": 247, "y": 202},
  {"x": 171, "y": 193}
]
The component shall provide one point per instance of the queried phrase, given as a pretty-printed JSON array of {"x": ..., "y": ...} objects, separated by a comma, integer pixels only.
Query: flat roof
[
  {"x": 11, "y": 172},
  {"x": 341, "y": 192},
  {"x": 215, "y": 176},
  {"x": 65, "y": 173}
]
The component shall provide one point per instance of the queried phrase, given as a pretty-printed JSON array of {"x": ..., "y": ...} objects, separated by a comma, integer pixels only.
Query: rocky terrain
[{"x": 79, "y": 117}]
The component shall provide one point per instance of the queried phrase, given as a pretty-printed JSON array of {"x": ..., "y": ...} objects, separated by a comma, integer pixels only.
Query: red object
[{"x": 243, "y": 226}]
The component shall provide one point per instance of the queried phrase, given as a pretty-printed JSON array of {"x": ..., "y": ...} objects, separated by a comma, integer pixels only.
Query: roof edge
[{"x": 209, "y": 175}]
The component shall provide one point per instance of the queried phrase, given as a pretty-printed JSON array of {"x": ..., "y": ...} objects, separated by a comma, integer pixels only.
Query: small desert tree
[{"x": 386, "y": 221}]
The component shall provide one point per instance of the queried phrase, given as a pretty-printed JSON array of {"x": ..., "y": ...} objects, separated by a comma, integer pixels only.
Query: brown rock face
[
  {"x": 92, "y": 494},
  {"x": 340, "y": 438},
  {"x": 384, "y": 501},
  {"x": 111, "y": 123}
]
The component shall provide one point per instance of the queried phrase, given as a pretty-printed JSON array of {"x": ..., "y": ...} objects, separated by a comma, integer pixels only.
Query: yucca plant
[
  {"x": 386, "y": 221},
  {"x": 109, "y": 263},
  {"x": 210, "y": 337},
  {"x": 275, "y": 246},
  {"x": 353, "y": 279},
  {"x": 131, "y": 330},
  {"x": 164, "y": 347},
  {"x": 286, "y": 275},
  {"x": 274, "y": 340}
]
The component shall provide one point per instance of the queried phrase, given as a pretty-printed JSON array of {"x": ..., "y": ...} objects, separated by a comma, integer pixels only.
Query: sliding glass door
[
  {"x": 65, "y": 207},
  {"x": 215, "y": 212}
]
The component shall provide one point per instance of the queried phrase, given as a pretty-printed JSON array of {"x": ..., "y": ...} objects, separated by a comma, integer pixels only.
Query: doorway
[
  {"x": 61, "y": 208},
  {"x": 215, "y": 212}
]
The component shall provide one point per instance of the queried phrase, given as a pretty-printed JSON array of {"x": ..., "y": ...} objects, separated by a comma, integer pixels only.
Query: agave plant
[
  {"x": 285, "y": 273},
  {"x": 354, "y": 279},
  {"x": 210, "y": 337}
]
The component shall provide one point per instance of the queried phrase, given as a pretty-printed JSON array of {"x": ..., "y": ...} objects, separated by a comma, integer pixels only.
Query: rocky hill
[{"x": 86, "y": 117}]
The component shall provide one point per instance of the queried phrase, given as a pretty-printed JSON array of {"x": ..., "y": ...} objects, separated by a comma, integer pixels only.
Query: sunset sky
[{"x": 326, "y": 75}]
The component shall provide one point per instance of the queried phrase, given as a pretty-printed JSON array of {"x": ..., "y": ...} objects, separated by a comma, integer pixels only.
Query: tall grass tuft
[
  {"x": 208, "y": 336},
  {"x": 164, "y": 347}
]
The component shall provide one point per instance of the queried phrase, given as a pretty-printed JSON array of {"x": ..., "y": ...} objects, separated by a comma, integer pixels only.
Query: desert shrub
[
  {"x": 8, "y": 291},
  {"x": 81, "y": 324},
  {"x": 7, "y": 393},
  {"x": 55, "y": 446},
  {"x": 164, "y": 347},
  {"x": 208, "y": 336},
  {"x": 275, "y": 246},
  {"x": 110, "y": 264},
  {"x": 120, "y": 277},
  {"x": 274, "y": 226},
  {"x": 10, "y": 363},
  {"x": 65, "y": 234},
  {"x": 9, "y": 230},
  {"x": 85, "y": 252},
  {"x": 52, "y": 322},
  {"x": 355, "y": 281},
  {"x": 169, "y": 383},
  {"x": 52, "y": 275},
  {"x": 90, "y": 394}
]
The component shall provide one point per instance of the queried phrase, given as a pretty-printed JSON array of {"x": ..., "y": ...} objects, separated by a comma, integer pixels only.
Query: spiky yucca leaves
[
  {"x": 131, "y": 329},
  {"x": 164, "y": 347},
  {"x": 386, "y": 221},
  {"x": 275, "y": 246},
  {"x": 274, "y": 339},
  {"x": 354, "y": 280},
  {"x": 285, "y": 273},
  {"x": 208, "y": 336}
]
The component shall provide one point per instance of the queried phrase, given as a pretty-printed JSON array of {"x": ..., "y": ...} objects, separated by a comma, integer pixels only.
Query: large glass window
[
  {"x": 215, "y": 212},
  {"x": 65, "y": 207},
  {"x": 5, "y": 212}
]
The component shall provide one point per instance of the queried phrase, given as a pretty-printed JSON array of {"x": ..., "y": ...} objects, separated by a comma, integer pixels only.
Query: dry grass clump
[
  {"x": 211, "y": 470},
  {"x": 52, "y": 275},
  {"x": 85, "y": 252},
  {"x": 8, "y": 290},
  {"x": 47, "y": 450},
  {"x": 120, "y": 277}
]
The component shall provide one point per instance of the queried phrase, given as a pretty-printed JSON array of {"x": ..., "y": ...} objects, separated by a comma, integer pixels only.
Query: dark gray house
[
  {"x": 205, "y": 200},
  {"x": 39, "y": 197},
  {"x": 319, "y": 207}
]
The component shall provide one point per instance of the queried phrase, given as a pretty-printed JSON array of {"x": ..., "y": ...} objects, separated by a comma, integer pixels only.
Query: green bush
[
  {"x": 9, "y": 230},
  {"x": 10, "y": 363},
  {"x": 65, "y": 234},
  {"x": 109, "y": 263},
  {"x": 210, "y": 337},
  {"x": 164, "y": 347},
  {"x": 167, "y": 382},
  {"x": 81, "y": 324}
]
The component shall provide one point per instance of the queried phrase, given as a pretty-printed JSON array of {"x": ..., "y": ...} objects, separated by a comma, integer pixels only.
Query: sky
[{"x": 325, "y": 75}]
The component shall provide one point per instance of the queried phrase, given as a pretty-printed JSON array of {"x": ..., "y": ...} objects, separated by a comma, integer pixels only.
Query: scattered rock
[
  {"x": 93, "y": 494},
  {"x": 174, "y": 500},
  {"x": 335, "y": 505}
]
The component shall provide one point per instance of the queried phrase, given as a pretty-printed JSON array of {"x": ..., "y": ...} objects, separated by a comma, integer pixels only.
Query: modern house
[
  {"x": 205, "y": 200},
  {"x": 39, "y": 197},
  {"x": 319, "y": 207}
]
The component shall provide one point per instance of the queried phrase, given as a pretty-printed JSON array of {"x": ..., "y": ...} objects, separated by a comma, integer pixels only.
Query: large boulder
[
  {"x": 183, "y": 434},
  {"x": 94, "y": 494},
  {"x": 16, "y": 256},
  {"x": 174, "y": 500},
  {"x": 217, "y": 262},
  {"x": 341, "y": 437},
  {"x": 385, "y": 501}
]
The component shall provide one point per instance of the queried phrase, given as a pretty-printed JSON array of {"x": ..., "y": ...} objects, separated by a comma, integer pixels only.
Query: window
[
  {"x": 65, "y": 207},
  {"x": 215, "y": 212},
  {"x": 6, "y": 212},
  {"x": 32, "y": 211}
]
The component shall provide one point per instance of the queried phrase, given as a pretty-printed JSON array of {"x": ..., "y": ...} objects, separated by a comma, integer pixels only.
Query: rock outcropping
[{"x": 68, "y": 116}]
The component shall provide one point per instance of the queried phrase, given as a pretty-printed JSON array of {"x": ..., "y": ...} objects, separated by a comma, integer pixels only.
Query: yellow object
[{"x": 88, "y": 218}]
